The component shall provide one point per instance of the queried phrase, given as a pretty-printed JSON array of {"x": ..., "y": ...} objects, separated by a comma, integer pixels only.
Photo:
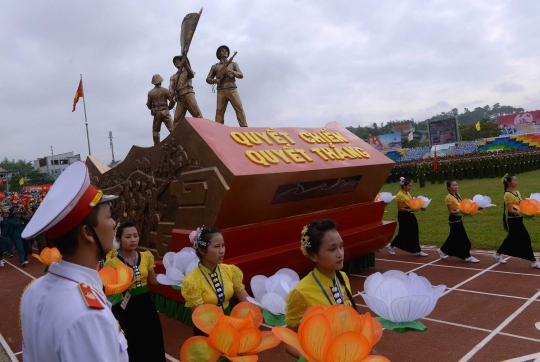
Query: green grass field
[{"x": 484, "y": 230}]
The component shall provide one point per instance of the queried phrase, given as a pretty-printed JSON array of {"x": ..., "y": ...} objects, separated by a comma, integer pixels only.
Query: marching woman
[
  {"x": 212, "y": 282},
  {"x": 326, "y": 284},
  {"x": 408, "y": 238},
  {"x": 137, "y": 314},
  {"x": 457, "y": 244},
  {"x": 518, "y": 241}
]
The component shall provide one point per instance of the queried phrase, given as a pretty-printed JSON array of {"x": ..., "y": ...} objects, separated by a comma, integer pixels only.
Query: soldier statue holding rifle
[{"x": 224, "y": 74}]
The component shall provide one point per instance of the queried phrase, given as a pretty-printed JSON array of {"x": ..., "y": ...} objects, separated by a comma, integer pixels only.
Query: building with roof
[{"x": 56, "y": 164}]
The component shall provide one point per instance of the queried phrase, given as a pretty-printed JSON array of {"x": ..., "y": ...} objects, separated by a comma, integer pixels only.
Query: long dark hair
[
  {"x": 316, "y": 231},
  {"x": 506, "y": 179}
]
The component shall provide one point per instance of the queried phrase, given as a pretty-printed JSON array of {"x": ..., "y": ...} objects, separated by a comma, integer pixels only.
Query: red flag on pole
[
  {"x": 435, "y": 160},
  {"x": 78, "y": 95}
]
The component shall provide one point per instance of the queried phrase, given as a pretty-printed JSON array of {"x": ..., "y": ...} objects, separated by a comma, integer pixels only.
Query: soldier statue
[
  {"x": 159, "y": 102},
  {"x": 182, "y": 90},
  {"x": 225, "y": 78}
]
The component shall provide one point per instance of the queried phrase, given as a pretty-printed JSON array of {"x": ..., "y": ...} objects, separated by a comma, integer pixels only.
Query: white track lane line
[
  {"x": 525, "y": 358},
  {"x": 8, "y": 350},
  {"x": 171, "y": 358},
  {"x": 19, "y": 269},
  {"x": 471, "y": 278},
  {"x": 507, "y": 321},
  {"x": 424, "y": 265},
  {"x": 466, "y": 326},
  {"x": 492, "y": 294},
  {"x": 460, "y": 267}
]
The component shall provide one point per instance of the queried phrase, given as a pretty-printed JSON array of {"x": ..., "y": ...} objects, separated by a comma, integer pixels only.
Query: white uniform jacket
[{"x": 57, "y": 325}]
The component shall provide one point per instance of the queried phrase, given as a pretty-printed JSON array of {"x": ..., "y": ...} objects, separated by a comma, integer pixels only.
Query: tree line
[{"x": 25, "y": 169}]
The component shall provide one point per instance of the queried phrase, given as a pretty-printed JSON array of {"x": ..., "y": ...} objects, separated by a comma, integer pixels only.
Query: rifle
[{"x": 224, "y": 68}]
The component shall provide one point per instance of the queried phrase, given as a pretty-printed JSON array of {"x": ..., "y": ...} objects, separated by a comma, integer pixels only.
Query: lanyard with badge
[
  {"x": 335, "y": 291},
  {"x": 218, "y": 288},
  {"x": 136, "y": 274}
]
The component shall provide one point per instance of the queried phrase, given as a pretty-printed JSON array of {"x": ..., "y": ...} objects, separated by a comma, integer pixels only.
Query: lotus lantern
[
  {"x": 48, "y": 256},
  {"x": 415, "y": 203},
  {"x": 426, "y": 202},
  {"x": 271, "y": 293},
  {"x": 468, "y": 207},
  {"x": 529, "y": 208},
  {"x": 482, "y": 201},
  {"x": 237, "y": 337},
  {"x": 535, "y": 196},
  {"x": 387, "y": 197},
  {"x": 400, "y": 299},
  {"x": 177, "y": 266},
  {"x": 117, "y": 280},
  {"x": 334, "y": 334}
]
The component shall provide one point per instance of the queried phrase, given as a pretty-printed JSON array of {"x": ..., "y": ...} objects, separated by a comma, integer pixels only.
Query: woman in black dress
[
  {"x": 457, "y": 244},
  {"x": 408, "y": 238},
  {"x": 137, "y": 313},
  {"x": 518, "y": 241}
]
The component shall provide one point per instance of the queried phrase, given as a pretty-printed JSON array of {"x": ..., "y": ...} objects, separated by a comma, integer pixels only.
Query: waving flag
[
  {"x": 478, "y": 126},
  {"x": 78, "y": 95}
]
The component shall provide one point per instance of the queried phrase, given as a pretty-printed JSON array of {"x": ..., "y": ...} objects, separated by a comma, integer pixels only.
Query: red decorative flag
[
  {"x": 78, "y": 95},
  {"x": 435, "y": 160}
]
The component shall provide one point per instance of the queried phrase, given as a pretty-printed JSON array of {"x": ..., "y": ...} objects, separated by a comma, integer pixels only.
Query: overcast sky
[{"x": 305, "y": 63}]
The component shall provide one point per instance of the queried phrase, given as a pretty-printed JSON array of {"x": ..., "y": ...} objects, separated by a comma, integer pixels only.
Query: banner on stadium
[
  {"x": 386, "y": 142},
  {"x": 45, "y": 187},
  {"x": 443, "y": 131},
  {"x": 527, "y": 122},
  {"x": 443, "y": 150}
]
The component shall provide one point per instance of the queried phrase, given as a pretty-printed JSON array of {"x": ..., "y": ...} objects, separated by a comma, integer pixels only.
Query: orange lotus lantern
[
  {"x": 415, "y": 203},
  {"x": 529, "y": 207},
  {"x": 237, "y": 337},
  {"x": 334, "y": 334},
  {"x": 117, "y": 280},
  {"x": 48, "y": 256},
  {"x": 468, "y": 207}
]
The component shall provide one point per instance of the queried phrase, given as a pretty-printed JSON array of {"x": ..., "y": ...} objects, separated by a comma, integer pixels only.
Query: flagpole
[{"x": 85, "y": 120}]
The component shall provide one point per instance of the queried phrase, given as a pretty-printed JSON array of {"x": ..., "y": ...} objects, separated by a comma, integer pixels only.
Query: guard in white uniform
[{"x": 65, "y": 315}]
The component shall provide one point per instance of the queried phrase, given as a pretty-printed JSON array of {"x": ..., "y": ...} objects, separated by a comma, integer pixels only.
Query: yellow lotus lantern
[
  {"x": 117, "y": 280},
  {"x": 334, "y": 334},
  {"x": 236, "y": 338},
  {"x": 467, "y": 207},
  {"x": 529, "y": 208},
  {"x": 48, "y": 256},
  {"x": 415, "y": 203}
]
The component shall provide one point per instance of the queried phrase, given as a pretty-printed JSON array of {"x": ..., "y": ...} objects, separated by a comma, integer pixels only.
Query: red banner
[{"x": 527, "y": 122}]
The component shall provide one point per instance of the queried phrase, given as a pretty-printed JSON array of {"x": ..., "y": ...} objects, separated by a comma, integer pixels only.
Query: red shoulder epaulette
[{"x": 89, "y": 297}]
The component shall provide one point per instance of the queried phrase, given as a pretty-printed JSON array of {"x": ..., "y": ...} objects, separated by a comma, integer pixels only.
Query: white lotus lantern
[
  {"x": 535, "y": 196},
  {"x": 484, "y": 201},
  {"x": 387, "y": 197},
  {"x": 177, "y": 266},
  {"x": 426, "y": 202},
  {"x": 400, "y": 299},
  {"x": 271, "y": 293}
]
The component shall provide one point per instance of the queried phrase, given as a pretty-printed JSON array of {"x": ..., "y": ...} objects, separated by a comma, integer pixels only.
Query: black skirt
[
  {"x": 518, "y": 241},
  {"x": 458, "y": 243},
  {"x": 407, "y": 238},
  {"x": 142, "y": 328}
]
